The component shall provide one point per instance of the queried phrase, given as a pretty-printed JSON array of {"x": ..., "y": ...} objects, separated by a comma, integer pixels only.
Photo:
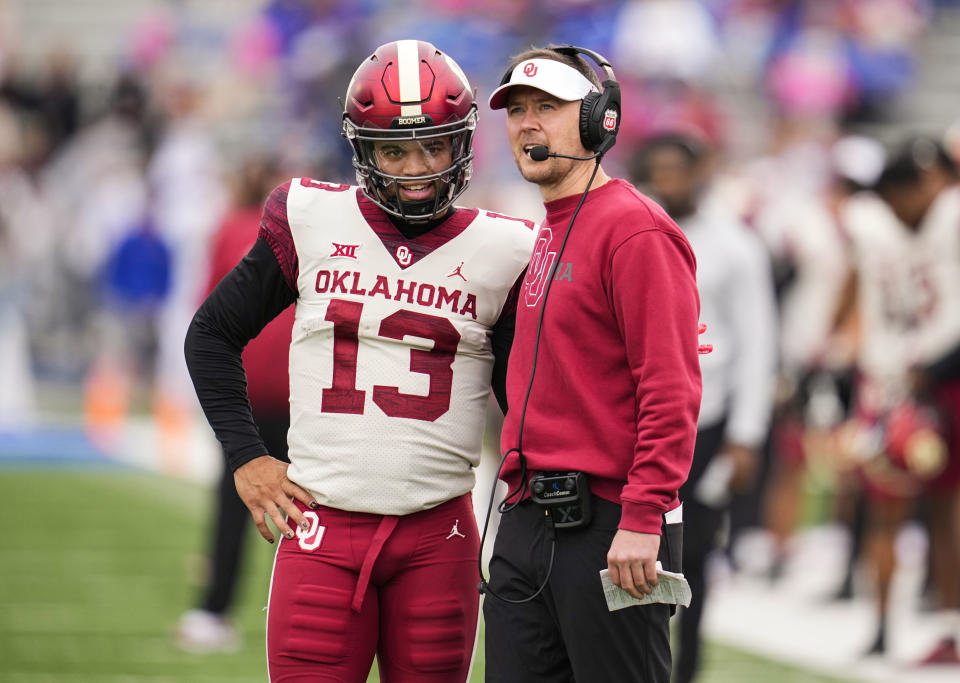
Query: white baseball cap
[{"x": 553, "y": 77}]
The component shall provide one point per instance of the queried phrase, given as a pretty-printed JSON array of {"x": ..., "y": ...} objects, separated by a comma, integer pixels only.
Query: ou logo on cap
[{"x": 529, "y": 69}]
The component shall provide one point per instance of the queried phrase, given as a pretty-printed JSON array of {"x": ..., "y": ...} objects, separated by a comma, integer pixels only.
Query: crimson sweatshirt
[{"x": 617, "y": 386}]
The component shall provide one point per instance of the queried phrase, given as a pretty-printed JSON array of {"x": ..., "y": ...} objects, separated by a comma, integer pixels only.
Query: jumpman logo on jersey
[
  {"x": 455, "y": 531},
  {"x": 458, "y": 272}
]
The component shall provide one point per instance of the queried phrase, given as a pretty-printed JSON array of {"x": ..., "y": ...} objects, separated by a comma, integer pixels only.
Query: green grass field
[{"x": 98, "y": 565}]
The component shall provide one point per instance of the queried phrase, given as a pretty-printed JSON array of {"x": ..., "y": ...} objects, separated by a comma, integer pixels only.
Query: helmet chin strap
[
  {"x": 418, "y": 212},
  {"x": 412, "y": 229},
  {"x": 416, "y": 225},
  {"x": 421, "y": 212}
]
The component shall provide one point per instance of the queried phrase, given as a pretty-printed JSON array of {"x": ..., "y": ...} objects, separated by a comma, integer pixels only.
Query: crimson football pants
[{"x": 357, "y": 584}]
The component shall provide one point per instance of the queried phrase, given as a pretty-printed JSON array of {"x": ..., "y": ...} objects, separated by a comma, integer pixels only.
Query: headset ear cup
[{"x": 590, "y": 136}]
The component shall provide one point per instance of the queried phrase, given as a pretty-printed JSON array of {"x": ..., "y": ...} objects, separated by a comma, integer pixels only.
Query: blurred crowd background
[
  {"x": 131, "y": 131},
  {"x": 128, "y": 130}
]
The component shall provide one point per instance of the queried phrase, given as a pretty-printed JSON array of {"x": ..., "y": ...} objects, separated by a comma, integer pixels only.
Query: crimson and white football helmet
[
  {"x": 902, "y": 451},
  {"x": 916, "y": 439},
  {"x": 408, "y": 90}
]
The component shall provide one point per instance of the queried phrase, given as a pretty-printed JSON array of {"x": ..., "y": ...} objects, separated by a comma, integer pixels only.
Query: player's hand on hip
[
  {"x": 632, "y": 561},
  {"x": 264, "y": 488}
]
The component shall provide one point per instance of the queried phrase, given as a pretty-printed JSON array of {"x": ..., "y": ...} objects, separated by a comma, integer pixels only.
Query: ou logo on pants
[{"x": 310, "y": 539}]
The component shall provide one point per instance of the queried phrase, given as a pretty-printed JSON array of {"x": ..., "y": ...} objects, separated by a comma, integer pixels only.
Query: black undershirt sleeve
[
  {"x": 502, "y": 340},
  {"x": 245, "y": 300}
]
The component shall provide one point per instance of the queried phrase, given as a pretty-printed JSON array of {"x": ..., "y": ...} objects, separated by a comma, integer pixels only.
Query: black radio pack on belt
[{"x": 565, "y": 494}]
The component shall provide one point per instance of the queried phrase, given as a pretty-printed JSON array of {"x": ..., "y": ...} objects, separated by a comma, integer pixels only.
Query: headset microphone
[
  {"x": 599, "y": 123},
  {"x": 540, "y": 153}
]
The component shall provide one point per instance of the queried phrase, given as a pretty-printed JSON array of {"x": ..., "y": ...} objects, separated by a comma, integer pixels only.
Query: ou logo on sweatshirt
[{"x": 541, "y": 261}]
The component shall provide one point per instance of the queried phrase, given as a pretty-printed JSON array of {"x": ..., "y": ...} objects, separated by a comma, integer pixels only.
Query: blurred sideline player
[
  {"x": 816, "y": 353},
  {"x": 404, "y": 310},
  {"x": 906, "y": 253},
  {"x": 206, "y": 628},
  {"x": 735, "y": 282}
]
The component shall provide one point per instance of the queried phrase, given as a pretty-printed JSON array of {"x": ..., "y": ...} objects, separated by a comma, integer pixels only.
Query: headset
[
  {"x": 599, "y": 123},
  {"x": 599, "y": 111}
]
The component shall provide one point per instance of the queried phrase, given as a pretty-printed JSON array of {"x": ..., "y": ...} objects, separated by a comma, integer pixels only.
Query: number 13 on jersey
[{"x": 343, "y": 396}]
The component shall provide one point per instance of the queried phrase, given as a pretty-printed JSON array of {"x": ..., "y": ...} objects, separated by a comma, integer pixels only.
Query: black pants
[
  {"x": 566, "y": 633},
  {"x": 232, "y": 519},
  {"x": 701, "y": 525}
]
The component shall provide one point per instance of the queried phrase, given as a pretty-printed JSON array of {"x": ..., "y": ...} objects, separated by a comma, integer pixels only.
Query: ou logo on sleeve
[
  {"x": 404, "y": 255},
  {"x": 310, "y": 539}
]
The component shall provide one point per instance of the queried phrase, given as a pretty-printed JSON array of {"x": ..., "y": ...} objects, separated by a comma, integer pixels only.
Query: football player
[
  {"x": 906, "y": 250},
  {"x": 404, "y": 310}
]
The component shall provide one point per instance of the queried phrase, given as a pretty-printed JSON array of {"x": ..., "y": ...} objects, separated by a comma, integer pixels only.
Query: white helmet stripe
[{"x": 408, "y": 64}]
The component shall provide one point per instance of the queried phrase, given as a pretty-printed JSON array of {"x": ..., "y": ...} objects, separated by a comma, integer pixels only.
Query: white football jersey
[
  {"x": 909, "y": 289},
  {"x": 811, "y": 239},
  {"x": 391, "y": 358}
]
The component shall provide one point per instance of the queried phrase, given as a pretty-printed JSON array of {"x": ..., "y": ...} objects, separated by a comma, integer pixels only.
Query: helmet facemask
[{"x": 383, "y": 188}]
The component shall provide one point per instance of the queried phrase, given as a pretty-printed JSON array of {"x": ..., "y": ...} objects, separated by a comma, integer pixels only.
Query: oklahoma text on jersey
[{"x": 423, "y": 294}]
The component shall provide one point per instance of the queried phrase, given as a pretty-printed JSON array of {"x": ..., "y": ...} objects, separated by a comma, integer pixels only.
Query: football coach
[{"x": 603, "y": 387}]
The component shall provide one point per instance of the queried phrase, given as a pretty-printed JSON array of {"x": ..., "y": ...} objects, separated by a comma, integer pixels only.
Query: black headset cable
[{"x": 521, "y": 490}]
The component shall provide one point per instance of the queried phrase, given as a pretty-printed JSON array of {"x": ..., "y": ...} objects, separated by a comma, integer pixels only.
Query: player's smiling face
[
  {"x": 537, "y": 118},
  {"x": 410, "y": 158}
]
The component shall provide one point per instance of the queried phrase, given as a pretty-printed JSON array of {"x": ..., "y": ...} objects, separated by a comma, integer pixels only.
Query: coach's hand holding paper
[{"x": 671, "y": 589}]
